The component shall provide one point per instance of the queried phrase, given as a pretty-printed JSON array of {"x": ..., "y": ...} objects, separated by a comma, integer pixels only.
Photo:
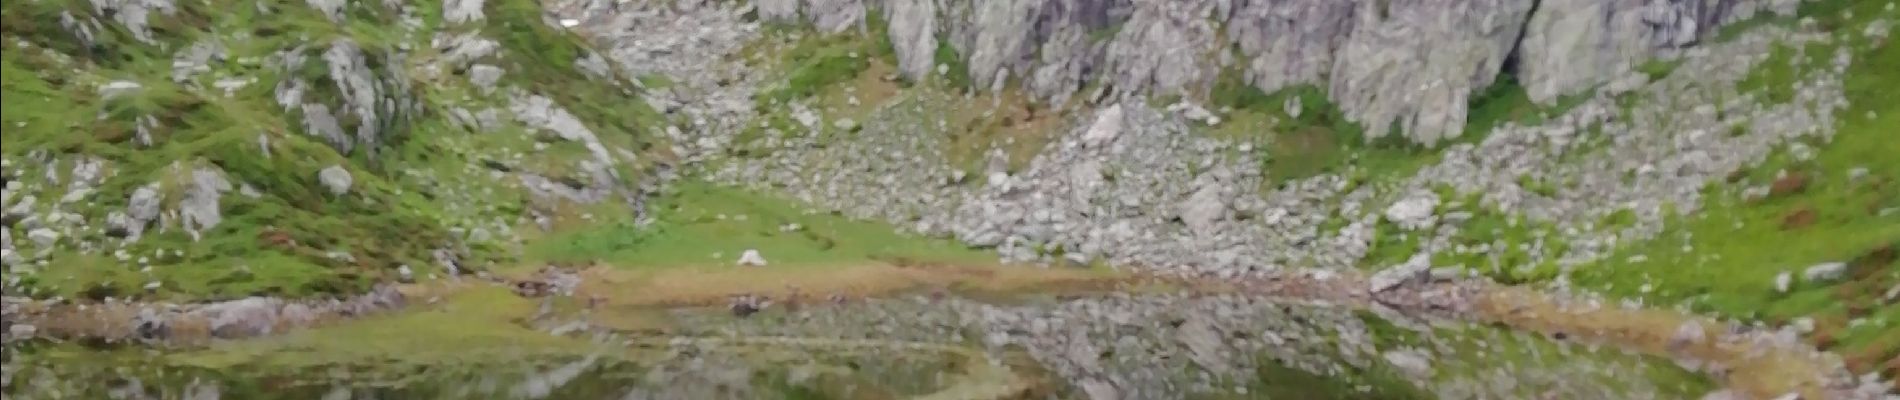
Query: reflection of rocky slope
[{"x": 1404, "y": 63}]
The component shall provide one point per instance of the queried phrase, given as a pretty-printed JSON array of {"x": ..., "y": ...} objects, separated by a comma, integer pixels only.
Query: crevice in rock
[{"x": 1512, "y": 59}]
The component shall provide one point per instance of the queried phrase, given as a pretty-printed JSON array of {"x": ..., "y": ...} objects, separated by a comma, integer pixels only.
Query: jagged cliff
[{"x": 1396, "y": 66}]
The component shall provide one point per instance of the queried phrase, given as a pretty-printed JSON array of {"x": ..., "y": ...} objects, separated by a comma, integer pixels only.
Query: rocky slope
[{"x": 1397, "y": 67}]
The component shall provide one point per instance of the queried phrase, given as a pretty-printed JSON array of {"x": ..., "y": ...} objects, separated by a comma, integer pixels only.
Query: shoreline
[{"x": 1753, "y": 363}]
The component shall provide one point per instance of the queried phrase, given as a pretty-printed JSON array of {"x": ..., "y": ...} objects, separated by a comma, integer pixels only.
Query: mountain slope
[{"x": 229, "y": 148}]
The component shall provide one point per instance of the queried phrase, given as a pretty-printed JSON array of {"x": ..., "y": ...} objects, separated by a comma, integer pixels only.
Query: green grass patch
[
  {"x": 1658, "y": 68},
  {"x": 815, "y": 62},
  {"x": 702, "y": 224},
  {"x": 1320, "y": 140},
  {"x": 957, "y": 76}
]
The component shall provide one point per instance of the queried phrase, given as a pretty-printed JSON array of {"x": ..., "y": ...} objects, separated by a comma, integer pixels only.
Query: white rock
[
  {"x": 45, "y": 238},
  {"x": 1410, "y": 362},
  {"x": 336, "y": 179},
  {"x": 1784, "y": 281},
  {"x": 1690, "y": 332},
  {"x": 845, "y": 124},
  {"x": 9, "y": 258},
  {"x": 1412, "y": 213},
  {"x": 1412, "y": 269},
  {"x": 751, "y": 258},
  {"x": 1825, "y": 272},
  {"x": 1108, "y": 125},
  {"x": 1803, "y": 325},
  {"x": 569, "y": 22},
  {"x": 118, "y": 88}
]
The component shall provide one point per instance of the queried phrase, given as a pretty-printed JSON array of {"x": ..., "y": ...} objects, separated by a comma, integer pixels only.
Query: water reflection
[{"x": 708, "y": 376}]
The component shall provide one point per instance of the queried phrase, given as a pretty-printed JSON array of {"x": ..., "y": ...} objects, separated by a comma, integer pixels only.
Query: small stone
[
  {"x": 117, "y": 88},
  {"x": 405, "y": 275},
  {"x": 1415, "y": 268},
  {"x": 1803, "y": 325},
  {"x": 1825, "y": 272},
  {"x": 751, "y": 258},
  {"x": 22, "y": 331},
  {"x": 1412, "y": 213},
  {"x": 43, "y": 237},
  {"x": 336, "y": 179},
  {"x": 1689, "y": 333},
  {"x": 10, "y": 258},
  {"x": 1784, "y": 281},
  {"x": 1856, "y": 174},
  {"x": 845, "y": 124},
  {"x": 1410, "y": 362}
]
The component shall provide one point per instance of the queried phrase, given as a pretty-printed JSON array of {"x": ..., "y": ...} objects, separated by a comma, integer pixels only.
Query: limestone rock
[
  {"x": 118, "y": 88},
  {"x": 200, "y": 209},
  {"x": 461, "y": 11},
  {"x": 485, "y": 76},
  {"x": 1415, "y": 63},
  {"x": 751, "y": 258},
  {"x": 336, "y": 179},
  {"x": 1413, "y": 269},
  {"x": 913, "y": 30},
  {"x": 1411, "y": 362},
  {"x": 1825, "y": 272},
  {"x": 1415, "y": 212},
  {"x": 43, "y": 237}
]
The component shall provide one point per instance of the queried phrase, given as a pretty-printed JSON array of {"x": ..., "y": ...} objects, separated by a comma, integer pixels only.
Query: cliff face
[{"x": 1396, "y": 66}]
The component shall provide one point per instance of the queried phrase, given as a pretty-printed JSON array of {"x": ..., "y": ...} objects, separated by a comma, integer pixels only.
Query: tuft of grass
[
  {"x": 957, "y": 76},
  {"x": 1658, "y": 68},
  {"x": 816, "y": 62}
]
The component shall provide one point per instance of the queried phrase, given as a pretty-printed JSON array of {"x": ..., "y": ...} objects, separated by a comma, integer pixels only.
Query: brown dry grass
[
  {"x": 869, "y": 86},
  {"x": 706, "y": 286},
  {"x": 1009, "y": 120}
]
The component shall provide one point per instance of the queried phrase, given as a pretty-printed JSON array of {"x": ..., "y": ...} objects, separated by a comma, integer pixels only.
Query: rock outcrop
[{"x": 1404, "y": 64}]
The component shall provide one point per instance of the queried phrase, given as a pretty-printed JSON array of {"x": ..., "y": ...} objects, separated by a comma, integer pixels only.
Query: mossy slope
[{"x": 225, "y": 91}]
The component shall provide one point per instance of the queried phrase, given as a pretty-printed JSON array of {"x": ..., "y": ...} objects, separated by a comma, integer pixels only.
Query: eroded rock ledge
[{"x": 1409, "y": 64}]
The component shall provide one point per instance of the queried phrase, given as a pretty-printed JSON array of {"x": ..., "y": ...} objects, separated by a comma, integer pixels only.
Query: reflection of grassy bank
[
  {"x": 88, "y": 376},
  {"x": 472, "y": 324}
]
